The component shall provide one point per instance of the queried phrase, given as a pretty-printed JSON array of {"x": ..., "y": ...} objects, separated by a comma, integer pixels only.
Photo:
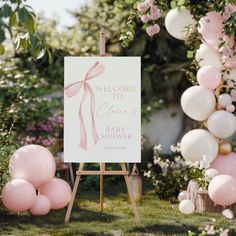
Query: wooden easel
[{"x": 102, "y": 170}]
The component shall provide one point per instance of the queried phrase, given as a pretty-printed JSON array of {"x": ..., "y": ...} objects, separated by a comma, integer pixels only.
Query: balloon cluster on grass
[
  {"x": 33, "y": 186},
  {"x": 207, "y": 103}
]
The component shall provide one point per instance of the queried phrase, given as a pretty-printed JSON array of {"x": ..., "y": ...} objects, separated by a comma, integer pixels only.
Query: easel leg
[
  {"x": 133, "y": 203},
  {"x": 102, "y": 168},
  {"x": 68, "y": 213}
]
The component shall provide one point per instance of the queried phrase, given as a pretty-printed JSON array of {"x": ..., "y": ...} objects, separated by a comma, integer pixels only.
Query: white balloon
[
  {"x": 206, "y": 56},
  {"x": 224, "y": 100},
  {"x": 198, "y": 102},
  {"x": 176, "y": 22},
  {"x": 211, "y": 173},
  {"x": 222, "y": 124},
  {"x": 186, "y": 207},
  {"x": 197, "y": 143}
]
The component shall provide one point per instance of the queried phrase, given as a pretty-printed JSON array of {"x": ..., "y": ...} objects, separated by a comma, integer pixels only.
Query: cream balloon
[
  {"x": 186, "y": 207},
  {"x": 198, "y": 102},
  {"x": 197, "y": 143},
  {"x": 206, "y": 56},
  {"x": 176, "y": 22},
  {"x": 222, "y": 124},
  {"x": 211, "y": 173}
]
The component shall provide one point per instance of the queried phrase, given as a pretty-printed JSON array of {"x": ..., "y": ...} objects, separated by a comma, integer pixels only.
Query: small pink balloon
[
  {"x": 58, "y": 191},
  {"x": 228, "y": 213},
  {"x": 33, "y": 163},
  {"x": 41, "y": 207},
  {"x": 209, "y": 77},
  {"x": 222, "y": 190},
  {"x": 211, "y": 28},
  {"x": 225, "y": 164},
  {"x": 230, "y": 108},
  {"x": 18, "y": 195},
  {"x": 183, "y": 195}
]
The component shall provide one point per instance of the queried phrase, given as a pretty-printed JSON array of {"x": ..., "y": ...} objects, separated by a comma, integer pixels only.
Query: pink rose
[
  {"x": 143, "y": 7},
  {"x": 233, "y": 95},
  {"x": 152, "y": 30},
  {"x": 145, "y": 18},
  {"x": 229, "y": 10},
  {"x": 155, "y": 13}
]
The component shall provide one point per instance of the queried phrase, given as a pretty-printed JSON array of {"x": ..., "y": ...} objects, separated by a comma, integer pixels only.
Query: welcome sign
[{"x": 102, "y": 109}]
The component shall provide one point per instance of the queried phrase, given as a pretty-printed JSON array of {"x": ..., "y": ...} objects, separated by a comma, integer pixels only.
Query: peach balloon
[
  {"x": 225, "y": 164},
  {"x": 209, "y": 77},
  {"x": 222, "y": 190},
  {"x": 211, "y": 28},
  {"x": 33, "y": 163},
  {"x": 58, "y": 191},
  {"x": 41, "y": 207},
  {"x": 18, "y": 195}
]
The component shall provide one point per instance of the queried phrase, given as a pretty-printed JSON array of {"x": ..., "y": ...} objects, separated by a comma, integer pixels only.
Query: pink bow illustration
[{"x": 73, "y": 88}]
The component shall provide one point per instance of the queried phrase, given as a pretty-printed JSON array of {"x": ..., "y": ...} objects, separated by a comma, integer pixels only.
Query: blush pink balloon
[
  {"x": 222, "y": 190},
  {"x": 183, "y": 195},
  {"x": 41, "y": 207},
  {"x": 228, "y": 213},
  {"x": 18, "y": 195},
  {"x": 58, "y": 191},
  {"x": 225, "y": 164},
  {"x": 209, "y": 77},
  {"x": 211, "y": 29},
  {"x": 33, "y": 163}
]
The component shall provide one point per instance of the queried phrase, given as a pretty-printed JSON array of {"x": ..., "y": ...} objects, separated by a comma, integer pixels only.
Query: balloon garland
[{"x": 211, "y": 99}]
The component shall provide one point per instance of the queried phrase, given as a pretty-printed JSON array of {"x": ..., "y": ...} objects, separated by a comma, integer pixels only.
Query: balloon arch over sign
[{"x": 210, "y": 100}]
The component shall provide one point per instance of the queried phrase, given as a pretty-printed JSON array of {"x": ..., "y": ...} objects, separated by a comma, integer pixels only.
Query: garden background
[{"x": 31, "y": 111}]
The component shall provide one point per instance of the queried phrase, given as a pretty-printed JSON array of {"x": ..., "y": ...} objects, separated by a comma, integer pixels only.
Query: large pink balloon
[
  {"x": 211, "y": 28},
  {"x": 58, "y": 191},
  {"x": 33, "y": 163},
  {"x": 225, "y": 164},
  {"x": 18, "y": 195},
  {"x": 41, "y": 206},
  {"x": 222, "y": 190},
  {"x": 209, "y": 77}
]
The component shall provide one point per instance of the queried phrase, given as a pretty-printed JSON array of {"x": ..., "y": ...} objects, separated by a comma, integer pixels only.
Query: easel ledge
[{"x": 102, "y": 170}]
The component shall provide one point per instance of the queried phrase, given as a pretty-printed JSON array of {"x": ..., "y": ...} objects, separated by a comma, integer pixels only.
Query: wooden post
[
  {"x": 76, "y": 185},
  {"x": 102, "y": 169}
]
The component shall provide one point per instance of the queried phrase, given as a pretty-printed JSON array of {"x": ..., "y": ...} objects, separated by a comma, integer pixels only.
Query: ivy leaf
[
  {"x": 190, "y": 54},
  {"x": 30, "y": 24},
  {"x": 2, "y": 49},
  {"x": 2, "y": 35},
  {"x": 12, "y": 19},
  {"x": 5, "y": 11},
  {"x": 181, "y": 2},
  {"x": 23, "y": 15}
]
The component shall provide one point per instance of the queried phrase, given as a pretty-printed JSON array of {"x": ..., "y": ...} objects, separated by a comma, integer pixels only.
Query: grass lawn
[{"x": 158, "y": 218}]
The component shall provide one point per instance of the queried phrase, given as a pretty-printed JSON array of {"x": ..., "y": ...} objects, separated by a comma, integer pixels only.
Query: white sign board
[{"x": 102, "y": 109}]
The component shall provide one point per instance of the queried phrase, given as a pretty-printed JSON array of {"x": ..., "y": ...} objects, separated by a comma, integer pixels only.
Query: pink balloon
[
  {"x": 18, "y": 195},
  {"x": 33, "y": 163},
  {"x": 183, "y": 195},
  {"x": 225, "y": 164},
  {"x": 41, "y": 206},
  {"x": 222, "y": 190},
  {"x": 211, "y": 29},
  {"x": 209, "y": 77},
  {"x": 58, "y": 191}
]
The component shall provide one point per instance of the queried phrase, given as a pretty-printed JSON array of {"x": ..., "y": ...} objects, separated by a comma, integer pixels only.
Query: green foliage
[{"x": 18, "y": 20}]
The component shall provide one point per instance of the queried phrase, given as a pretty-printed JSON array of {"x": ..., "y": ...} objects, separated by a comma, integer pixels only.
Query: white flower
[
  {"x": 149, "y": 108},
  {"x": 157, "y": 147},
  {"x": 147, "y": 174}
]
